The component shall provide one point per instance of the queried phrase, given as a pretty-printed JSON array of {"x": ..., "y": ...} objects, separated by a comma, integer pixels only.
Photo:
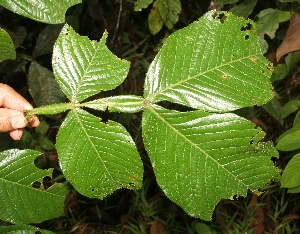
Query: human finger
[
  {"x": 16, "y": 134},
  {"x": 9, "y": 98},
  {"x": 35, "y": 122},
  {"x": 11, "y": 120}
]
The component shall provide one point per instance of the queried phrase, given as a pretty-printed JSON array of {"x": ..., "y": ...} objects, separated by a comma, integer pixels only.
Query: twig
[{"x": 118, "y": 23}]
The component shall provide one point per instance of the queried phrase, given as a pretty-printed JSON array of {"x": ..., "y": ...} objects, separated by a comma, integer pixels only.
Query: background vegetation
[{"x": 130, "y": 37}]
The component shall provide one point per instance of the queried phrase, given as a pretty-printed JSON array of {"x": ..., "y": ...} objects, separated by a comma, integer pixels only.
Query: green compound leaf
[
  {"x": 7, "y": 47},
  {"x": 51, "y": 12},
  {"x": 83, "y": 67},
  {"x": 214, "y": 64},
  {"x": 200, "y": 158},
  {"x": 97, "y": 158},
  {"x": 20, "y": 201}
]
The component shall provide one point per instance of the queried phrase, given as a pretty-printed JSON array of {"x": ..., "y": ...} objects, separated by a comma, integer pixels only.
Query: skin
[{"x": 12, "y": 119}]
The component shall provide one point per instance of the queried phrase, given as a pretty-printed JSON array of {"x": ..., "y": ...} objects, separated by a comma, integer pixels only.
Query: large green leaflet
[
  {"x": 47, "y": 11},
  {"x": 97, "y": 158},
  {"x": 214, "y": 65},
  {"x": 20, "y": 201},
  {"x": 210, "y": 157},
  {"x": 83, "y": 67}
]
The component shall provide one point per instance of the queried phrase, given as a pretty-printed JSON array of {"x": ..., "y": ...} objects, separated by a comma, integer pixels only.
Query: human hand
[{"x": 12, "y": 119}]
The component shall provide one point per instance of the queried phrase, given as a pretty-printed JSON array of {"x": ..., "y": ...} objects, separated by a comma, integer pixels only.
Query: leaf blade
[
  {"x": 210, "y": 157},
  {"x": 43, "y": 86},
  {"x": 51, "y": 12},
  {"x": 18, "y": 173},
  {"x": 7, "y": 46},
  {"x": 229, "y": 78},
  {"x": 291, "y": 176},
  {"x": 169, "y": 11},
  {"x": 86, "y": 144},
  {"x": 83, "y": 67}
]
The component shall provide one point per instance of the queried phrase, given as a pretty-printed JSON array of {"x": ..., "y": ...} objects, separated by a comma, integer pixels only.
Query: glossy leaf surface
[
  {"x": 211, "y": 65},
  {"x": 200, "y": 157},
  {"x": 51, "y": 12},
  {"x": 103, "y": 154},
  {"x": 83, "y": 67},
  {"x": 210, "y": 157},
  {"x": 6, "y": 46},
  {"x": 21, "y": 202}
]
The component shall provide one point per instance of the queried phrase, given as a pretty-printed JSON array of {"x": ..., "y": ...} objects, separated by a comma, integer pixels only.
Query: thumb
[{"x": 11, "y": 120}]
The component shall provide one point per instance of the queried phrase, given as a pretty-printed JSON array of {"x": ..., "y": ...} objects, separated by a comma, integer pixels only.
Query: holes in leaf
[
  {"x": 47, "y": 182},
  {"x": 221, "y": 16},
  {"x": 247, "y": 37},
  {"x": 247, "y": 27},
  {"x": 93, "y": 190},
  {"x": 257, "y": 148},
  {"x": 36, "y": 184},
  {"x": 270, "y": 66},
  {"x": 67, "y": 32}
]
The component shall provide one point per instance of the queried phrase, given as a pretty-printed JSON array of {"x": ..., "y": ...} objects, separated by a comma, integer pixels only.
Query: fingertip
[
  {"x": 16, "y": 134},
  {"x": 35, "y": 122}
]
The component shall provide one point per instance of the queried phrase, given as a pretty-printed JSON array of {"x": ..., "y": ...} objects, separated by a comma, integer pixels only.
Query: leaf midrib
[
  {"x": 152, "y": 109},
  {"x": 77, "y": 116},
  {"x": 31, "y": 188},
  {"x": 85, "y": 71},
  {"x": 152, "y": 96}
]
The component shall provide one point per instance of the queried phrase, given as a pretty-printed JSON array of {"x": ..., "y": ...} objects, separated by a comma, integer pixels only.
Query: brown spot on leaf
[
  {"x": 224, "y": 76},
  {"x": 253, "y": 59}
]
